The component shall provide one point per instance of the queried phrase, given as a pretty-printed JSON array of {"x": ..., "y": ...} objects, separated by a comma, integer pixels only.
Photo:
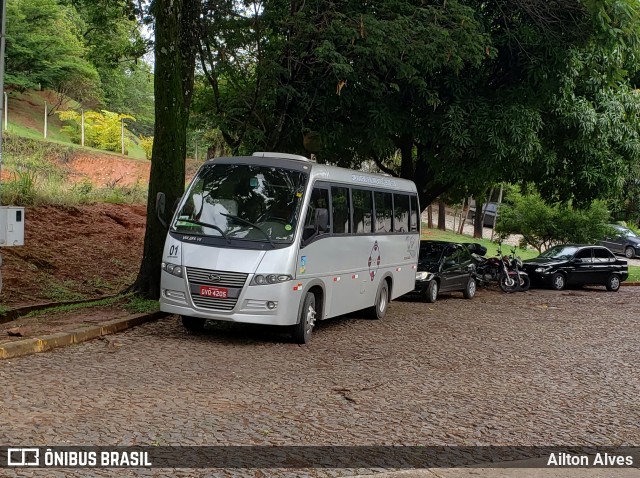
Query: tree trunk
[
  {"x": 430, "y": 216},
  {"x": 428, "y": 188},
  {"x": 463, "y": 216},
  {"x": 442, "y": 220},
  {"x": 478, "y": 219},
  {"x": 175, "y": 47}
]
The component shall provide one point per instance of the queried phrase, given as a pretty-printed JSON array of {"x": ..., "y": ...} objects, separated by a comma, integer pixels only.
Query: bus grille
[
  {"x": 213, "y": 303},
  {"x": 233, "y": 281}
]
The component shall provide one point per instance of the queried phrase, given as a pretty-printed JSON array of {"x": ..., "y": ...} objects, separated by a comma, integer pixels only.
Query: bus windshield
[{"x": 243, "y": 201}]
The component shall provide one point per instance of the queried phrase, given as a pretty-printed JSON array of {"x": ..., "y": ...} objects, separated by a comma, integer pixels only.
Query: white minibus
[{"x": 279, "y": 239}]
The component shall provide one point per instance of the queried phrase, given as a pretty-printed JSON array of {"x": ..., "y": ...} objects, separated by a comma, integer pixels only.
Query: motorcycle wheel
[
  {"x": 504, "y": 283},
  {"x": 525, "y": 282}
]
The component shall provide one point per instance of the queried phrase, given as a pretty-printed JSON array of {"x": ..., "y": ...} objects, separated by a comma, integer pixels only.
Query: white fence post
[
  {"x": 45, "y": 119},
  {"x": 122, "y": 134},
  {"x": 6, "y": 112},
  {"x": 82, "y": 127}
]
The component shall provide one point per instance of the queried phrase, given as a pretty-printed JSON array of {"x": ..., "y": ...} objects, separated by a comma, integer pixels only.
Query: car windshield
[
  {"x": 559, "y": 252},
  {"x": 243, "y": 201},
  {"x": 430, "y": 252},
  {"x": 627, "y": 232}
]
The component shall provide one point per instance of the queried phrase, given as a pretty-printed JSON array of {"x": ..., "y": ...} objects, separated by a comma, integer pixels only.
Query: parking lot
[{"x": 534, "y": 368}]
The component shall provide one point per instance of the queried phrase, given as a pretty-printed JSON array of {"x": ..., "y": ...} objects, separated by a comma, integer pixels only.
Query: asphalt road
[{"x": 536, "y": 368}]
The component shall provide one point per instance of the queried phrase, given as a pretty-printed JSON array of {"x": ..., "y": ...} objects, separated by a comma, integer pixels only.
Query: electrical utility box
[{"x": 11, "y": 226}]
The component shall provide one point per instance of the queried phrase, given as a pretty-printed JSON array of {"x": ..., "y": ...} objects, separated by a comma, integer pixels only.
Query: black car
[
  {"x": 445, "y": 267},
  {"x": 625, "y": 241},
  {"x": 575, "y": 265}
]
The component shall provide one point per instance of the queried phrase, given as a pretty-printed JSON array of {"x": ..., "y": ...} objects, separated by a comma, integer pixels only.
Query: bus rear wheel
[
  {"x": 379, "y": 310},
  {"x": 301, "y": 332},
  {"x": 193, "y": 324}
]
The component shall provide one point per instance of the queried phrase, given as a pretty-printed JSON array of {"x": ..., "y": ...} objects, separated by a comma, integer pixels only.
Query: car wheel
[
  {"x": 558, "y": 281},
  {"x": 629, "y": 253},
  {"x": 301, "y": 332},
  {"x": 193, "y": 324},
  {"x": 431, "y": 293},
  {"x": 470, "y": 290},
  {"x": 613, "y": 283}
]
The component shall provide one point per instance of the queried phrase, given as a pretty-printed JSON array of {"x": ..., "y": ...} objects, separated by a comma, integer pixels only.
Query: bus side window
[
  {"x": 401, "y": 213},
  {"x": 362, "y": 210},
  {"x": 319, "y": 200},
  {"x": 384, "y": 211},
  {"x": 340, "y": 210}
]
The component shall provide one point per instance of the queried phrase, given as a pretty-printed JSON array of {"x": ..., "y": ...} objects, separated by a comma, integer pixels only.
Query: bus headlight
[
  {"x": 264, "y": 279},
  {"x": 172, "y": 269}
]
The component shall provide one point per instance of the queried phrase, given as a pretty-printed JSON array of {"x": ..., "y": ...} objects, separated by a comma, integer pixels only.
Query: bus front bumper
[{"x": 273, "y": 304}]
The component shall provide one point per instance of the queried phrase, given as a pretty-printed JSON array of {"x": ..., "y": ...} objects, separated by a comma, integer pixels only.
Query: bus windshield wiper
[
  {"x": 206, "y": 224},
  {"x": 249, "y": 223}
]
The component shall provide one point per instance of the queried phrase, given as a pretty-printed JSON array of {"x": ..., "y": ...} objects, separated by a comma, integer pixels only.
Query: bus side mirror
[
  {"x": 322, "y": 219},
  {"x": 160, "y": 208}
]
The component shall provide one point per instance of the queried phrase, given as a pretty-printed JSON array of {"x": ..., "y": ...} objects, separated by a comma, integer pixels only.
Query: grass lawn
[{"x": 492, "y": 248}]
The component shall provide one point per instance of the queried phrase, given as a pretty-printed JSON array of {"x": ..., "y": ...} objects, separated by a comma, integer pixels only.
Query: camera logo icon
[{"x": 23, "y": 457}]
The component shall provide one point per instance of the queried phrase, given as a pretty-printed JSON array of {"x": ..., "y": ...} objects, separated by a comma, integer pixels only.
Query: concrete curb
[
  {"x": 15, "y": 314},
  {"x": 75, "y": 336}
]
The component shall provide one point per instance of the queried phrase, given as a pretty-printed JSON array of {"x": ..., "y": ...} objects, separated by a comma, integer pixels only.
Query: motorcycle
[
  {"x": 503, "y": 269},
  {"x": 487, "y": 269},
  {"x": 512, "y": 277}
]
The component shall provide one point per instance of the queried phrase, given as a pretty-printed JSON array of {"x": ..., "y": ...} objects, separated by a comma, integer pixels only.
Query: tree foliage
[
  {"x": 45, "y": 49},
  {"x": 469, "y": 92},
  {"x": 111, "y": 31},
  {"x": 83, "y": 49},
  {"x": 543, "y": 225}
]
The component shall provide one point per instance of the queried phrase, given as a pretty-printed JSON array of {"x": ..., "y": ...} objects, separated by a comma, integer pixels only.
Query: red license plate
[{"x": 218, "y": 292}]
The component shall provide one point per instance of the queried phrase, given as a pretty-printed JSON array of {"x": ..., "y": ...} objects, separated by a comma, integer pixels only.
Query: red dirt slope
[{"x": 73, "y": 253}]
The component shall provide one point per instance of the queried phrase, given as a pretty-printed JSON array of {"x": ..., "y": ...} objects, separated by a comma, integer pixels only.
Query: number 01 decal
[{"x": 173, "y": 251}]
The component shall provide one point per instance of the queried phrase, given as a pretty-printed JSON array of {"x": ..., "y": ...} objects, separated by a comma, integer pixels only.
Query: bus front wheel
[{"x": 301, "y": 333}]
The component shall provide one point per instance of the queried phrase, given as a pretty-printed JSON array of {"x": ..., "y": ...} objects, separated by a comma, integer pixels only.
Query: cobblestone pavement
[{"x": 535, "y": 368}]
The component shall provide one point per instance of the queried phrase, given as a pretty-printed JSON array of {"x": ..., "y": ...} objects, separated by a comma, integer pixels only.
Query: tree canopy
[
  {"x": 45, "y": 49},
  {"x": 87, "y": 50},
  {"x": 467, "y": 91}
]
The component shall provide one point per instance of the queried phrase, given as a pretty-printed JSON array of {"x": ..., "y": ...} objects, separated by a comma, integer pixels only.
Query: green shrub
[
  {"x": 20, "y": 189},
  {"x": 83, "y": 188},
  {"x": 102, "y": 130},
  {"x": 543, "y": 225},
  {"x": 147, "y": 144}
]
